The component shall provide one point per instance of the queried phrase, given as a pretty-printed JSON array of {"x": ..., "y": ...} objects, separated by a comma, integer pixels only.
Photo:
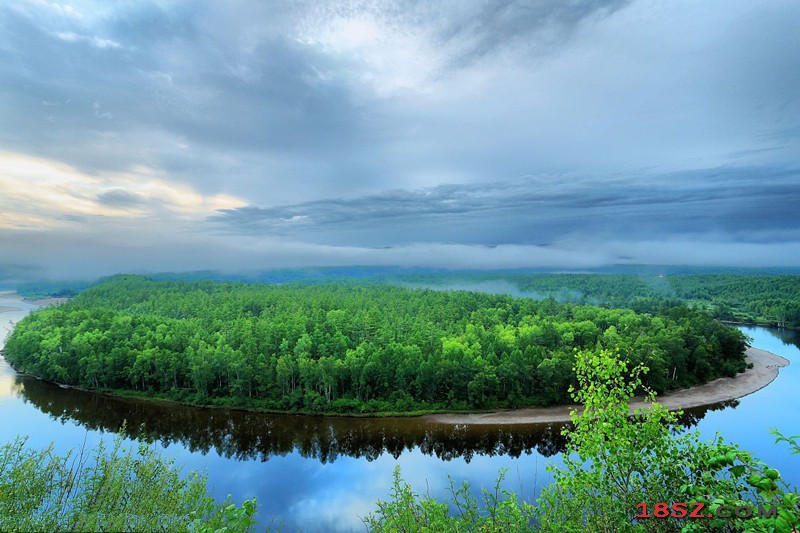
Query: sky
[{"x": 146, "y": 136}]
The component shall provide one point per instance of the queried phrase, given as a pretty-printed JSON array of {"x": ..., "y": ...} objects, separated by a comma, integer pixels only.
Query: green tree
[
  {"x": 380, "y": 348},
  {"x": 108, "y": 489},
  {"x": 614, "y": 462}
]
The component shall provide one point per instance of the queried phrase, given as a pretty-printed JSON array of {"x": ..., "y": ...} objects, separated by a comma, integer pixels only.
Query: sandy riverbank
[{"x": 765, "y": 369}]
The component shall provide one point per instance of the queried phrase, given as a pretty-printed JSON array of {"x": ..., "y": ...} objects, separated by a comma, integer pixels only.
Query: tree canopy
[{"x": 353, "y": 347}]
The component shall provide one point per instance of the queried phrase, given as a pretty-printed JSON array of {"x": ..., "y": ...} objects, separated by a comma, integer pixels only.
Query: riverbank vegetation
[
  {"x": 613, "y": 466},
  {"x": 616, "y": 471},
  {"x": 108, "y": 489},
  {"x": 353, "y": 348}
]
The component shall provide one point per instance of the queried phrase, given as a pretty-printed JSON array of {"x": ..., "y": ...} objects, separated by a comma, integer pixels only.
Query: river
[{"x": 324, "y": 473}]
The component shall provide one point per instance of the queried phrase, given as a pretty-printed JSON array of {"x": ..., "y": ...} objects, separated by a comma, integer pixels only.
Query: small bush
[{"x": 108, "y": 490}]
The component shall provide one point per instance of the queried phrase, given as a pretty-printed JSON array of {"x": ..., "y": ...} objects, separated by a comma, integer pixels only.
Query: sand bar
[{"x": 765, "y": 369}]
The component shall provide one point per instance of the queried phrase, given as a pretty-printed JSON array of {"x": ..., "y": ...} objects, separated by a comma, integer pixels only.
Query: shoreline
[
  {"x": 766, "y": 366},
  {"x": 759, "y": 325}
]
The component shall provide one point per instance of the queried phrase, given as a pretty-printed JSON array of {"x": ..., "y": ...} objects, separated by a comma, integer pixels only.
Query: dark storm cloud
[
  {"x": 737, "y": 202},
  {"x": 399, "y": 131}
]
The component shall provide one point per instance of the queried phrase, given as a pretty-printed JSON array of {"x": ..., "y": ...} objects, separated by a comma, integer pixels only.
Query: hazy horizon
[{"x": 160, "y": 136}]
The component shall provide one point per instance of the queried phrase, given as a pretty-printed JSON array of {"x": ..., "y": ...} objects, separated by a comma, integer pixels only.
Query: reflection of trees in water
[
  {"x": 249, "y": 436},
  {"x": 789, "y": 337},
  {"x": 691, "y": 417},
  {"x": 256, "y": 436}
]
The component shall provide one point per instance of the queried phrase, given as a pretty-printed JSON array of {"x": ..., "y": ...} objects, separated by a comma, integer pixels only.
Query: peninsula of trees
[{"x": 354, "y": 347}]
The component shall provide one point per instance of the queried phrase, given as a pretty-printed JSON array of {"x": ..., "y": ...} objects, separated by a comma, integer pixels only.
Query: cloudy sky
[{"x": 243, "y": 135}]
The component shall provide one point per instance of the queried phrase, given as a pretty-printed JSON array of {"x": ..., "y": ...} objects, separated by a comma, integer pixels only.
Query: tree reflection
[{"x": 257, "y": 436}]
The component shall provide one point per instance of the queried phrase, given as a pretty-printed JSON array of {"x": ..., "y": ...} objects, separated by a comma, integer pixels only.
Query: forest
[
  {"x": 766, "y": 299},
  {"x": 354, "y": 347},
  {"x": 616, "y": 476}
]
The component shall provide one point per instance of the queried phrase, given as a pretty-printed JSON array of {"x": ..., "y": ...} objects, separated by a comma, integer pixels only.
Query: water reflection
[
  {"x": 789, "y": 337},
  {"x": 243, "y": 435},
  {"x": 692, "y": 417}
]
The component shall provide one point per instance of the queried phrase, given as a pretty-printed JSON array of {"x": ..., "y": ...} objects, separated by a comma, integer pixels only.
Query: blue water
[
  {"x": 775, "y": 406},
  {"x": 302, "y": 490}
]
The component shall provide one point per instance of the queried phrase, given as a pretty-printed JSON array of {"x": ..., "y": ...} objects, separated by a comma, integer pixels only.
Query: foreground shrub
[
  {"x": 108, "y": 490},
  {"x": 405, "y": 511},
  {"x": 614, "y": 464}
]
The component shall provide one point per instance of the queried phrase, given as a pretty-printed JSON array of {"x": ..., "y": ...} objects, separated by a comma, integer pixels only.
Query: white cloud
[
  {"x": 97, "y": 42},
  {"x": 99, "y": 113},
  {"x": 60, "y": 9},
  {"x": 35, "y": 194},
  {"x": 387, "y": 57}
]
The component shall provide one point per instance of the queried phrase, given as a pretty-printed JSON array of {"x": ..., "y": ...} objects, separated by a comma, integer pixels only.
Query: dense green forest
[
  {"x": 37, "y": 290},
  {"x": 771, "y": 300},
  {"x": 738, "y": 295},
  {"x": 764, "y": 299},
  {"x": 353, "y": 347}
]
